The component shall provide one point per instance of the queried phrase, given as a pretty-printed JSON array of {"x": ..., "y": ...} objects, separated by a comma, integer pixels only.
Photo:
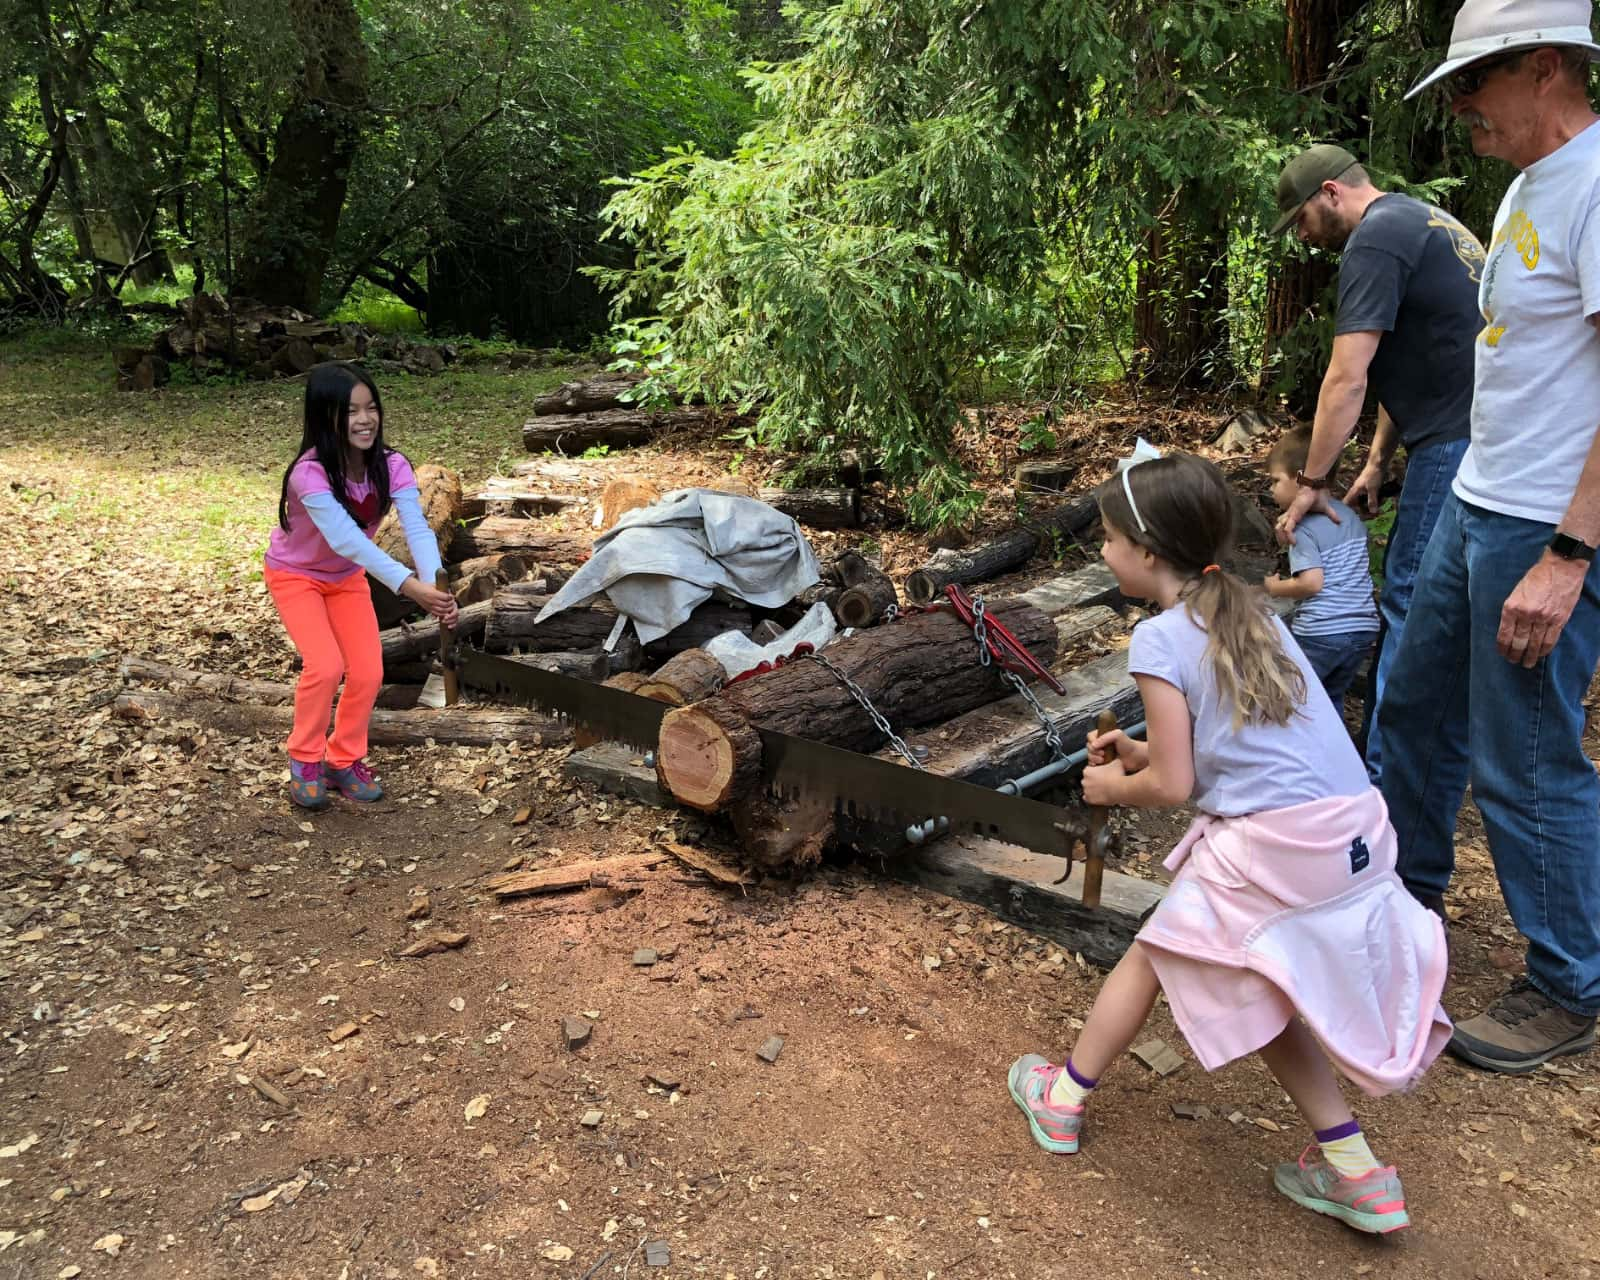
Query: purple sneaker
[
  {"x": 1054, "y": 1128},
  {"x": 355, "y": 782},
  {"x": 306, "y": 787}
]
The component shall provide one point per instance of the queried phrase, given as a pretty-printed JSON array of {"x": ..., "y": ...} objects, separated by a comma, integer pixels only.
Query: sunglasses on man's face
[{"x": 1466, "y": 83}]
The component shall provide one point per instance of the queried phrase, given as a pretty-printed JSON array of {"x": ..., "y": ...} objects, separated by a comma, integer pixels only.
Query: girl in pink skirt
[{"x": 1285, "y": 932}]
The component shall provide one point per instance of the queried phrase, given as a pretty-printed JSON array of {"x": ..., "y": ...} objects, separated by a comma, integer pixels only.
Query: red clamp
[
  {"x": 772, "y": 664},
  {"x": 1004, "y": 647}
]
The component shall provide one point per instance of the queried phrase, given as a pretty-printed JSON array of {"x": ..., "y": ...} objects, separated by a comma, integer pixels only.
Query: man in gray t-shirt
[{"x": 1407, "y": 320}]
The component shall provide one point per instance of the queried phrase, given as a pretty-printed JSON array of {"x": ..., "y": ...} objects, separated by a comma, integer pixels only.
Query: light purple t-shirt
[
  {"x": 303, "y": 549},
  {"x": 1257, "y": 766}
]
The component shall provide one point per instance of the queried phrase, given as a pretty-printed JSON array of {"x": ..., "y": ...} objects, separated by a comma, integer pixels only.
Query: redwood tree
[{"x": 291, "y": 231}]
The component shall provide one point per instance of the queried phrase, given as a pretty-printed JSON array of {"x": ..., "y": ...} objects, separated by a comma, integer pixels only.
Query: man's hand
[
  {"x": 1363, "y": 493},
  {"x": 1536, "y": 612},
  {"x": 1305, "y": 502}
]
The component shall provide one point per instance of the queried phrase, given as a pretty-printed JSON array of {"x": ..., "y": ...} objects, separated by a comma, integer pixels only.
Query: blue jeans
[
  {"x": 1455, "y": 710},
  {"x": 1336, "y": 659},
  {"x": 1429, "y": 472}
]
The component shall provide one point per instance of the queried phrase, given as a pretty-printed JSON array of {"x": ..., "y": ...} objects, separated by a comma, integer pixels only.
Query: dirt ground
[{"x": 173, "y": 934}]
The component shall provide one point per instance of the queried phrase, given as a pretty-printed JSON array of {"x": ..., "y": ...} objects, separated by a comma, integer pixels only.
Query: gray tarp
[{"x": 660, "y": 561}]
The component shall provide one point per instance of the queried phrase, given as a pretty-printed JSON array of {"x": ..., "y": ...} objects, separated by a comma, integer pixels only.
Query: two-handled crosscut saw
[{"x": 859, "y": 786}]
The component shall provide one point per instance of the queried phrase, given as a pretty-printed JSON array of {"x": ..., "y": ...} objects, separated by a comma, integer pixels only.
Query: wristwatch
[
  {"x": 1570, "y": 548},
  {"x": 1310, "y": 482}
]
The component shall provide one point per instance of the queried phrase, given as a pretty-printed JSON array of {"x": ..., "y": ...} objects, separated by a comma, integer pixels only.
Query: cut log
[
  {"x": 708, "y": 621},
  {"x": 413, "y": 640},
  {"x": 920, "y": 671},
  {"x": 512, "y": 623},
  {"x": 865, "y": 603},
  {"x": 817, "y": 508},
  {"x": 571, "y": 433},
  {"x": 1044, "y": 477},
  {"x": 684, "y": 678},
  {"x": 496, "y": 534},
  {"x": 593, "y": 665},
  {"x": 586, "y": 396},
  {"x": 439, "y": 490},
  {"x": 512, "y": 498},
  {"x": 622, "y": 495},
  {"x": 1014, "y": 547},
  {"x": 714, "y": 753},
  {"x": 458, "y": 726},
  {"x": 479, "y": 578}
]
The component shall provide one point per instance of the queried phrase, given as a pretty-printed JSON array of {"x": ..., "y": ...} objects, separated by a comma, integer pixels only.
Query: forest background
[{"x": 867, "y": 217}]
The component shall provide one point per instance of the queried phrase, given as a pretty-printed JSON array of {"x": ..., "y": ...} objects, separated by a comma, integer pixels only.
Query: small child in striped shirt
[{"x": 1336, "y": 621}]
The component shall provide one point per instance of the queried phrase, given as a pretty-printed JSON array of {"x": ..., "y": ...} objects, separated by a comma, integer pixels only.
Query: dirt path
[{"x": 171, "y": 931}]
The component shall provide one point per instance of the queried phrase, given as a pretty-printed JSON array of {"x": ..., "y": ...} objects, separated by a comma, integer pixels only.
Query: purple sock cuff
[
  {"x": 1347, "y": 1130},
  {"x": 1083, "y": 1082}
]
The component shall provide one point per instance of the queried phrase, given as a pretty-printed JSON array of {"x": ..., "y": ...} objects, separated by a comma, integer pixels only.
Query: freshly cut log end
[
  {"x": 622, "y": 495},
  {"x": 707, "y": 754},
  {"x": 688, "y": 677},
  {"x": 864, "y": 604},
  {"x": 921, "y": 586}
]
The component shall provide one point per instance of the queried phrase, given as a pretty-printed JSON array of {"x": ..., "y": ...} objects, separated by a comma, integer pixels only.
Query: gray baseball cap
[
  {"x": 1304, "y": 175},
  {"x": 1488, "y": 28}
]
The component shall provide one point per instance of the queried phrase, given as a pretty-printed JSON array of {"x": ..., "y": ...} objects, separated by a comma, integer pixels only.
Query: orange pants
[{"x": 334, "y": 628}]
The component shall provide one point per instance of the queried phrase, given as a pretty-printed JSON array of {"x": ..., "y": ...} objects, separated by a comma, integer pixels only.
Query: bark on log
[
  {"x": 511, "y": 624},
  {"x": 863, "y": 604},
  {"x": 276, "y": 693},
  {"x": 1010, "y": 549},
  {"x": 593, "y": 665},
  {"x": 495, "y": 534},
  {"x": 687, "y": 677},
  {"x": 459, "y": 726},
  {"x": 920, "y": 671},
  {"x": 479, "y": 578},
  {"x": 439, "y": 490},
  {"x": 818, "y": 508},
  {"x": 410, "y": 641},
  {"x": 585, "y": 396},
  {"x": 571, "y": 433},
  {"x": 708, "y": 621}
]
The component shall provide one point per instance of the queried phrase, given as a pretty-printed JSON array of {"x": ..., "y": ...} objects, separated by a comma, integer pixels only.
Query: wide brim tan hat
[{"x": 1489, "y": 28}]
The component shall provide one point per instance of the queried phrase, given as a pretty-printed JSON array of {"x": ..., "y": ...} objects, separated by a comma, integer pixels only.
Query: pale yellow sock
[
  {"x": 1350, "y": 1156},
  {"x": 1067, "y": 1092}
]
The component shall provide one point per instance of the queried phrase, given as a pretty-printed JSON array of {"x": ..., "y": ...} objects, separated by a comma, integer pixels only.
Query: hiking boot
[
  {"x": 355, "y": 782},
  {"x": 1054, "y": 1128},
  {"x": 1373, "y": 1202},
  {"x": 1435, "y": 903},
  {"x": 306, "y": 787},
  {"x": 1521, "y": 1030}
]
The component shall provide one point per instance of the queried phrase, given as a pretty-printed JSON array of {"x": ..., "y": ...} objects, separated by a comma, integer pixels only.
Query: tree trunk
[
  {"x": 1000, "y": 554},
  {"x": 588, "y": 396},
  {"x": 511, "y": 624},
  {"x": 919, "y": 671},
  {"x": 291, "y": 232},
  {"x": 1297, "y": 284},
  {"x": 1180, "y": 296}
]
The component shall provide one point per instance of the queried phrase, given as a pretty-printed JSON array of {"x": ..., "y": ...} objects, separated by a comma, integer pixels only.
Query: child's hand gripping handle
[
  {"x": 1099, "y": 836},
  {"x": 447, "y": 647}
]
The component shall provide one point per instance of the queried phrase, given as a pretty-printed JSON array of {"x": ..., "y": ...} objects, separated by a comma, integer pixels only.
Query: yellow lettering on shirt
[
  {"x": 1492, "y": 334},
  {"x": 1519, "y": 229}
]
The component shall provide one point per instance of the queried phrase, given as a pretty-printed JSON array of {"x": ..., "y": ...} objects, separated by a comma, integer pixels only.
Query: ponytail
[{"x": 1254, "y": 674}]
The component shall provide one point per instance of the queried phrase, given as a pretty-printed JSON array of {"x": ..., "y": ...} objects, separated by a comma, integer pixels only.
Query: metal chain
[
  {"x": 859, "y": 694},
  {"x": 980, "y": 633},
  {"x": 1052, "y": 735}
]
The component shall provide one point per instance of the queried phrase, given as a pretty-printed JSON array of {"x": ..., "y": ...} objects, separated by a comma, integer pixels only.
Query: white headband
[{"x": 1143, "y": 451}]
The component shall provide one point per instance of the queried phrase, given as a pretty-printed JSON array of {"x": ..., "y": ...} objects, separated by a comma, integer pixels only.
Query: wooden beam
[{"x": 1015, "y": 884}]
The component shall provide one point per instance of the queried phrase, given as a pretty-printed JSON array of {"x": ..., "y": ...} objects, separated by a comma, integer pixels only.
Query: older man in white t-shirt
[{"x": 1503, "y": 636}]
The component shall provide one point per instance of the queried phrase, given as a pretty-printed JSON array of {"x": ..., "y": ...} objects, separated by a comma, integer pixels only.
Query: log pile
[
  {"x": 599, "y": 412},
  {"x": 1006, "y": 551},
  {"x": 216, "y": 335}
]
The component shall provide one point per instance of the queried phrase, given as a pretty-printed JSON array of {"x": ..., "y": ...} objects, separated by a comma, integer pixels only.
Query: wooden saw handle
[
  {"x": 447, "y": 647},
  {"x": 1094, "y": 867}
]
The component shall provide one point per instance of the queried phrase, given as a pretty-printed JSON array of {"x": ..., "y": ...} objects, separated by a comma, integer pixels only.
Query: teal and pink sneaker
[
  {"x": 1054, "y": 1128},
  {"x": 355, "y": 782},
  {"x": 1373, "y": 1202},
  {"x": 306, "y": 787}
]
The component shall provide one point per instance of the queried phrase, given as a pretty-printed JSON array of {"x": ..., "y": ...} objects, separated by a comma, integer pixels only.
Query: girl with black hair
[{"x": 342, "y": 481}]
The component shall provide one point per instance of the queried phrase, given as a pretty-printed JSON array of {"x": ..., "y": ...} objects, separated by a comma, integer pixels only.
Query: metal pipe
[{"x": 921, "y": 832}]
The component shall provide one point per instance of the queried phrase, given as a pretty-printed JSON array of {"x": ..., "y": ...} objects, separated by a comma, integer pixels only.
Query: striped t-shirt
[{"x": 1345, "y": 602}]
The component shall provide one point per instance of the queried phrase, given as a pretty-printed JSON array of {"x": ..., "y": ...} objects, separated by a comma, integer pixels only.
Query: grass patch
[{"x": 191, "y": 473}]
